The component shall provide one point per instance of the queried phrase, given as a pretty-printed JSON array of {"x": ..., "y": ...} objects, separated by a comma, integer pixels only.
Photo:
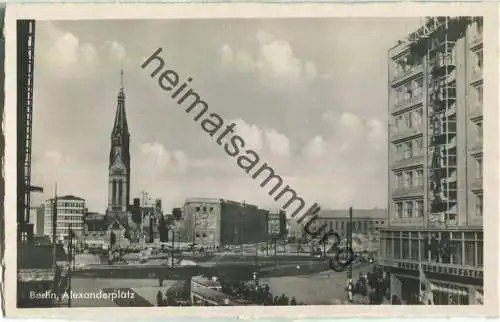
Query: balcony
[
  {"x": 432, "y": 267},
  {"x": 476, "y": 75},
  {"x": 476, "y": 112},
  {"x": 405, "y": 133},
  {"x": 399, "y": 49},
  {"x": 413, "y": 191},
  {"x": 477, "y": 184},
  {"x": 402, "y": 76},
  {"x": 476, "y": 41},
  {"x": 410, "y": 162},
  {"x": 408, "y": 103},
  {"x": 476, "y": 148}
]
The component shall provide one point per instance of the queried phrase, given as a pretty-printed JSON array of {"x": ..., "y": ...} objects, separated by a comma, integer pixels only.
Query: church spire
[{"x": 120, "y": 125}]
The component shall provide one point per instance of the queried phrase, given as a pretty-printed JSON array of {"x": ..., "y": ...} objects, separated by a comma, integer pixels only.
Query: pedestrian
[
  {"x": 159, "y": 298},
  {"x": 294, "y": 301}
]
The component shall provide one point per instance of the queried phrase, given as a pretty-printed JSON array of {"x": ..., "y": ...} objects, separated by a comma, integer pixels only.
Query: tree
[
  {"x": 112, "y": 239},
  {"x": 162, "y": 229},
  {"x": 177, "y": 213}
]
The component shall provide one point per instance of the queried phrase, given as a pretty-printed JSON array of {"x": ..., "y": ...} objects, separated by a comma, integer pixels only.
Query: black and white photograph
[{"x": 250, "y": 162}]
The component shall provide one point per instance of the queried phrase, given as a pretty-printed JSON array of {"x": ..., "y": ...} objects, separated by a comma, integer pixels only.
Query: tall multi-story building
[
  {"x": 37, "y": 216},
  {"x": 70, "y": 211},
  {"x": 435, "y": 217},
  {"x": 218, "y": 222}
]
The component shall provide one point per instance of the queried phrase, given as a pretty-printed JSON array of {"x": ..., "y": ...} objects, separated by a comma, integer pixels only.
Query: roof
[
  {"x": 205, "y": 281},
  {"x": 218, "y": 201},
  {"x": 374, "y": 213},
  {"x": 67, "y": 197}
]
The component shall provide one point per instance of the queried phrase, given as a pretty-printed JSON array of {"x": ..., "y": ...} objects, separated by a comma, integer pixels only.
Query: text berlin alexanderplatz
[{"x": 233, "y": 144}]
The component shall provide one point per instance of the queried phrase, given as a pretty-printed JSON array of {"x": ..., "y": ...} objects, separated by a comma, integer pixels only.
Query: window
[
  {"x": 399, "y": 151},
  {"x": 398, "y": 121},
  {"x": 399, "y": 180},
  {"x": 408, "y": 120},
  {"x": 408, "y": 179},
  {"x": 419, "y": 174},
  {"x": 197, "y": 209},
  {"x": 479, "y": 93},
  {"x": 480, "y": 131},
  {"x": 409, "y": 208},
  {"x": 418, "y": 147},
  {"x": 418, "y": 86},
  {"x": 407, "y": 150},
  {"x": 479, "y": 204},
  {"x": 478, "y": 57},
  {"x": 420, "y": 208},
  {"x": 399, "y": 209},
  {"x": 479, "y": 168}
]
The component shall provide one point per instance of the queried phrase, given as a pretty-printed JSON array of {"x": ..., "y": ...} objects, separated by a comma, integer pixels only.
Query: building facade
[
  {"x": 218, "y": 222},
  {"x": 364, "y": 221},
  {"x": 70, "y": 210},
  {"x": 277, "y": 225},
  {"x": 435, "y": 216}
]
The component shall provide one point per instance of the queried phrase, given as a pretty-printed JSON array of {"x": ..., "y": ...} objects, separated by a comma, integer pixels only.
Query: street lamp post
[{"x": 70, "y": 258}]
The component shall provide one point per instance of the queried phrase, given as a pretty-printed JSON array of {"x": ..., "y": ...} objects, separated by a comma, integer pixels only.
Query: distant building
[
  {"x": 37, "y": 216},
  {"x": 277, "y": 224},
  {"x": 98, "y": 230},
  {"x": 218, "y": 222},
  {"x": 70, "y": 211},
  {"x": 364, "y": 221}
]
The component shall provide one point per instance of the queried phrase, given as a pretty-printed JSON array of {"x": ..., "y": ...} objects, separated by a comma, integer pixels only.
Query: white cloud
[
  {"x": 250, "y": 133},
  {"x": 226, "y": 53},
  {"x": 278, "y": 143},
  {"x": 116, "y": 51},
  {"x": 316, "y": 148},
  {"x": 262, "y": 139},
  {"x": 64, "y": 52},
  {"x": 273, "y": 59},
  {"x": 156, "y": 153}
]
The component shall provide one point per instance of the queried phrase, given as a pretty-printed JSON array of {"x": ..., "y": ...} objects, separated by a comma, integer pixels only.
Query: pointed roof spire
[
  {"x": 120, "y": 125},
  {"x": 121, "y": 77}
]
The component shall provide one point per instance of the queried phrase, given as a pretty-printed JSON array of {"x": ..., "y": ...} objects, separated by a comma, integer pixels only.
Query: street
[{"x": 327, "y": 287}]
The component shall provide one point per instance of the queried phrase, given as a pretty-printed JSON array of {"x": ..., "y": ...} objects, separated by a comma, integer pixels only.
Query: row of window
[
  {"x": 411, "y": 120},
  {"x": 405, "y": 65},
  {"x": 410, "y": 178},
  {"x": 415, "y": 208},
  {"x": 409, "y": 149},
  {"x": 63, "y": 218},
  {"x": 460, "y": 252},
  {"x": 68, "y": 204},
  {"x": 409, "y": 209},
  {"x": 408, "y": 91},
  {"x": 357, "y": 226},
  {"x": 204, "y": 209}
]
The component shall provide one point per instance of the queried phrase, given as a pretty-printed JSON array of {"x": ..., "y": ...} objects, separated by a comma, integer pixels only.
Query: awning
[{"x": 449, "y": 290}]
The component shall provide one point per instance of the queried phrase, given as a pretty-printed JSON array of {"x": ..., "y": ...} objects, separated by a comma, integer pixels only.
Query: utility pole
[
  {"x": 70, "y": 258},
  {"x": 349, "y": 245},
  {"x": 54, "y": 228},
  {"x": 173, "y": 247}
]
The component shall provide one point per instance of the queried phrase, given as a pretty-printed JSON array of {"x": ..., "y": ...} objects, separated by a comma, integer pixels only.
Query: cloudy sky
[{"x": 310, "y": 95}]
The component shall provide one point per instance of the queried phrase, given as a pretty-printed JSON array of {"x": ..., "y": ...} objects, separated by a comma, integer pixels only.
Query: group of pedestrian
[{"x": 372, "y": 287}]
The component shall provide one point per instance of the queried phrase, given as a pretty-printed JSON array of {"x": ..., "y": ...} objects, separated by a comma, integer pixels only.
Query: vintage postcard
[{"x": 261, "y": 160}]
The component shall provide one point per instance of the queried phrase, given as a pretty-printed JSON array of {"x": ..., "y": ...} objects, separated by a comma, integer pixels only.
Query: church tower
[{"x": 119, "y": 159}]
